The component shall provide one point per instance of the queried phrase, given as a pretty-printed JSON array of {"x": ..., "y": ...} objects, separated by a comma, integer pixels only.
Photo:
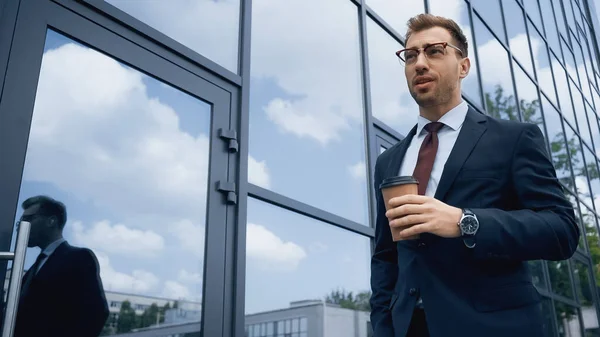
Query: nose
[{"x": 421, "y": 64}]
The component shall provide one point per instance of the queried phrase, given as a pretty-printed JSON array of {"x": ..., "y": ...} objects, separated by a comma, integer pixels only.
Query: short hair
[
  {"x": 425, "y": 21},
  {"x": 48, "y": 207}
]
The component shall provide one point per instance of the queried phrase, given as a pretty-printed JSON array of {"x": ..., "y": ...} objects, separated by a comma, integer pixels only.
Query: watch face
[{"x": 469, "y": 225}]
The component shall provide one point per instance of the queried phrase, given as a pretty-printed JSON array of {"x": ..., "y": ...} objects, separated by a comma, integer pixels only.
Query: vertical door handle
[{"x": 14, "y": 289}]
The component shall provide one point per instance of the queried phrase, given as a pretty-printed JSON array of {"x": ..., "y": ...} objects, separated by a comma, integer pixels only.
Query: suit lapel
[
  {"x": 470, "y": 133},
  {"x": 393, "y": 168}
]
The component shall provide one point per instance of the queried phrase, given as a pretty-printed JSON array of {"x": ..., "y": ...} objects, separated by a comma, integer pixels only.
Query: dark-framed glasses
[{"x": 434, "y": 51}]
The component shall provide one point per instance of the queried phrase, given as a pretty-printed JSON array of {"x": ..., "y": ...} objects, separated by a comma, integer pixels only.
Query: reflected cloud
[
  {"x": 191, "y": 236},
  {"x": 118, "y": 239},
  {"x": 176, "y": 290},
  {"x": 189, "y": 277},
  {"x": 258, "y": 173},
  {"x": 138, "y": 282},
  {"x": 358, "y": 171},
  {"x": 272, "y": 251}
]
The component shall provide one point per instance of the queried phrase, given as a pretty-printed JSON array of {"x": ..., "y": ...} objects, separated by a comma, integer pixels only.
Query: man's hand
[{"x": 420, "y": 214}]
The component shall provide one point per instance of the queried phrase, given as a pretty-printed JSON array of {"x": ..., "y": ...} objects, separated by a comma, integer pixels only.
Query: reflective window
[
  {"x": 517, "y": 34},
  {"x": 575, "y": 203},
  {"x": 560, "y": 280},
  {"x": 580, "y": 113},
  {"x": 567, "y": 317},
  {"x": 550, "y": 25},
  {"x": 569, "y": 13},
  {"x": 580, "y": 68},
  {"x": 583, "y": 284},
  {"x": 459, "y": 12},
  {"x": 391, "y": 100},
  {"x": 537, "y": 274},
  {"x": 562, "y": 87},
  {"x": 579, "y": 170},
  {"x": 542, "y": 64},
  {"x": 314, "y": 260},
  {"x": 548, "y": 317},
  {"x": 556, "y": 139},
  {"x": 560, "y": 17},
  {"x": 590, "y": 54},
  {"x": 309, "y": 104},
  {"x": 529, "y": 102},
  {"x": 495, "y": 75},
  {"x": 532, "y": 8},
  {"x": 397, "y": 13},
  {"x": 490, "y": 12},
  {"x": 128, "y": 156},
  {"x": 569, "y": 61},
  {"x": 593, "y": 241},
  {"x": 596, "y": 100},
  {"x": 592, "y": 171},
  {"x": 210, "y": 28}
]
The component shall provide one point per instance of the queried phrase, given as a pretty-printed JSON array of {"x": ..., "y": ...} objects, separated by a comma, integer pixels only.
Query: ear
[{"x": 465, "y": 67}]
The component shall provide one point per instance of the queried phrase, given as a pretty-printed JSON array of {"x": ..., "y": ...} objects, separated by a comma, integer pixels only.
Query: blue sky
[{"x": 129, "y": 154}]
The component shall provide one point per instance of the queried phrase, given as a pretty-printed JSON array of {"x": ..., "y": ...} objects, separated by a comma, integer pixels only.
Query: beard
[{"x": 440, "y": 94}]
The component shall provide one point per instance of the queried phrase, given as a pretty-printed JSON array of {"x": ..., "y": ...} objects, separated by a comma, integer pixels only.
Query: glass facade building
[{"x": 218, "y": 156}]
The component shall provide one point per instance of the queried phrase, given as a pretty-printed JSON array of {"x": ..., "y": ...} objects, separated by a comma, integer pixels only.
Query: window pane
[
  {"x": 309, "y": 104},
  {"x": 570, "y": 61},
  {"x": 490, "y": 12},
  {"x": 316, "y": 261},
  {"x": 517, "y": 35},
  {"x": 577, "y": 162},
  {"x": 548, "y": 315},
  {"x": 593, "y": 241},
  {"x": 560, "y": 17},
  {"x": 295, "y": 325},
  {"x": 303, "y": 325},
  {"x": 558, "y": 148},
  {"x": 569, "y": 13},
  {"x": 396, "y": 13},
  {"x": 495, "y": 74},
  {"x": 391, "y": 100},
  {"x": 568, "y": 320},
  {"x": 209, "y": 28},
  {"x": 550, "y": 25},
  {"x": 528, "y": 98},
  {"x": 575, "y": 203},
  {"x": 562, "y": 86},
  {"x": 581, "y": 115},
  {"x": 581, "y": 69},
  {"x": 459, "y": 12},
  {"x": 583, "y": 284},
  {"x": 542, "y": 64},
  {"x": 560, "y": 279},
  {"x": 537, "y": 274},
  {"x": 128, "y": 156},
  {"x": 531, "y": 6}
]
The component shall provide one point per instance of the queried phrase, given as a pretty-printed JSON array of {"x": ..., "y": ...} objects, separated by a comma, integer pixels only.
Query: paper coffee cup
[{"x": 396, "y": 187}]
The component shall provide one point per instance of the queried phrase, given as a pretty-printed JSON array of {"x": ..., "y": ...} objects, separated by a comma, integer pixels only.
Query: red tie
[{"x": 427, "y": 155}]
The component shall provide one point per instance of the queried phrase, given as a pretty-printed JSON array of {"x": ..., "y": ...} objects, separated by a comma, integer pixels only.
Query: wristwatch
[{"x": 468, "y": 225}]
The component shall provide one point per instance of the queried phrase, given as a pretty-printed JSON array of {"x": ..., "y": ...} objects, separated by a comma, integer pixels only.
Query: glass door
[{"x": 117, "y": 168}]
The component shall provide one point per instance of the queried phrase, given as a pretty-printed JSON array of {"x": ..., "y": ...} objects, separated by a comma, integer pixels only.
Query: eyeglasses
[{"x": 434, "y": 51}]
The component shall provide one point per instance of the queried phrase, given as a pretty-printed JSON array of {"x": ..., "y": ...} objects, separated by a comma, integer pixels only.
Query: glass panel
[
  {"x": 517, "y": 34},
  {"x": 288, "y": 248},
  {"x": 575, "y": 203},
  {"x": 537, "y": 274},
  {"x": 570, "y": 61},
  {"x": 532, "y": 8},
  {"x": 580, "y": 69},
  {"x": 548, "y": 317},
  {"x": 391, "y": 100},
  {"x": 528, "y": 98},
  {"x": 560, "y": 279},
  {"x": 577, "y": 162},
  {"x": 542, "y": 64},
  {"x": 382, "y": 150},
  {"x": 128, "y": 157},
  {"x": 459, "y": 12},
  {"x": 562, "y": 86},
  {"x": 550, "y": 25},
  {"x": 581, "y": 115},
  {"x": 583, "y": 284},
  {"x": 556, "y": 139},
  {"x": 210, "y": 28},
  {"x": 593, "y": 241},
  {"x": 309, "y": 104},
  {"x": 569, "y": 13},
  {"x": 397, "y": 13},
  {"x": 495, "y": 74},
  {"x": 560, "y": 17},
  {"x": 490, "y": 12},
  {"x": 568, "y": 320},
  {"x": 592, "y": 170},
  {"x": 589, "y": 55}
]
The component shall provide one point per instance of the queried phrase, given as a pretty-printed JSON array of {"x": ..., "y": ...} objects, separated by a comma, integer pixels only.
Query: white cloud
[
  {"x": 190, "y": 236},
  {"x": 271, "y": 250},
  {"x": 189, "y": 277},
  {"x": 118, "y": 239},
  {"x": 138, "y": 281},
  {"x": 318, "y": 247},
  {"x": 358, "y": 170},
  {"x": 176, "y": 290},
  {"x": 258, "y": 173},
  {"x": 104, "y": 139}
]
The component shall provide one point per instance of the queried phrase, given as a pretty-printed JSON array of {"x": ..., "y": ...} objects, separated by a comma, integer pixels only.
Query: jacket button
[
  {"x": 422, "y": 244},
  {"x": 412, "y": 291}
]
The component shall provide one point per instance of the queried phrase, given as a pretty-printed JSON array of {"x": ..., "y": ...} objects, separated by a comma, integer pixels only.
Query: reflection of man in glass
[
  {"x": 61, "y": 293},
  {"x": 488, "y": 201}
]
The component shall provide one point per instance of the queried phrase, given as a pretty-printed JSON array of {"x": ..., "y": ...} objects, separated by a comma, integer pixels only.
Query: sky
[{"x": 128, "y": 154}]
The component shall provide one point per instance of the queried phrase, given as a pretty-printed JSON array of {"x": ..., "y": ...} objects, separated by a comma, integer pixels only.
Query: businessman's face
[
  {"x": 433, "y": 75},
  {"x": 39, "y": 225}
]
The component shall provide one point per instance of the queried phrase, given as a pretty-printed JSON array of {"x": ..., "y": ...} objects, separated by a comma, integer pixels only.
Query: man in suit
[
  {"x": 61, "y": 293},
  {"x": 488, "y": 202}
]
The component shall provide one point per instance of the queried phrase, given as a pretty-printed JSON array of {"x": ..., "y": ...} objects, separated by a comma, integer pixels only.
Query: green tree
[
  {"x": 150, "y": 316},
  {"x": 349, "y": 301},
  {"x": 127, "y": 318}
]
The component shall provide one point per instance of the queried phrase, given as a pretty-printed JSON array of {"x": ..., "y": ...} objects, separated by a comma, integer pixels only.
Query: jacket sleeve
[
  {"x": 384, "y": 268},
  {"x": 543, "y": 226}
]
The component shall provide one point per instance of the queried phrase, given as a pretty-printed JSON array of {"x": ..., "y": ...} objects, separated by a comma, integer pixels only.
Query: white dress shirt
[
  {"x": 453, "y": 121},
  {"x": 49, "y": 250}
]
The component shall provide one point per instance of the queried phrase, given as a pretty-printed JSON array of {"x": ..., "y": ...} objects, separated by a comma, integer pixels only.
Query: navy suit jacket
[
  {"x": 66, "y": 298},
  {"x": 501, "y": 170}
]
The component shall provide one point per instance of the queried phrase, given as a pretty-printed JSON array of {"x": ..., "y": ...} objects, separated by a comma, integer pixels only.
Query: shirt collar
[
  {"x": 452, "y": 119},
  {"x": 52, "y": 247}
]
